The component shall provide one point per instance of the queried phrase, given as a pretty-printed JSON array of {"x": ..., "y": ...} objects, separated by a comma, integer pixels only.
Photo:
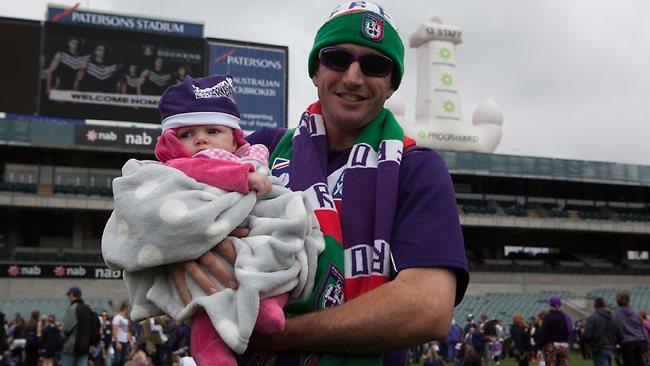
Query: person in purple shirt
[
  {"x": 554, "y": 334},
  {"x": 356, "y": 64},
  {"x": 634, "y": 339}
]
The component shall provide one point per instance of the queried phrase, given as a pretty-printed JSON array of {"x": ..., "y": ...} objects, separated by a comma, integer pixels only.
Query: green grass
[{"x": 574, "y": 360}]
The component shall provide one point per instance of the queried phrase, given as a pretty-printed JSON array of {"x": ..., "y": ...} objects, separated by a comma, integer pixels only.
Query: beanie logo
[
  {"x": 223, "y": 89},
  {"x": 372, "y": 27}
]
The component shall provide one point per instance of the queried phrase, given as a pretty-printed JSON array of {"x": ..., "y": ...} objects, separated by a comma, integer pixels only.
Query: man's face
[
  {"x": 199, "y": 138},
  {"x": 100, "y": 51},
  {"x": 349, "y": 99}
]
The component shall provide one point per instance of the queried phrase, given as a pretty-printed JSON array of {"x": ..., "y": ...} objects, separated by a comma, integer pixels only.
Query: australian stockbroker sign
[
  {"x": 259, "y": 77},
  {"x": 72, "y": 15}
]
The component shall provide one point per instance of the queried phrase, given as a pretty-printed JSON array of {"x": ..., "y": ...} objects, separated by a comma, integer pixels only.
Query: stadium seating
[
  {"x": 639, "y": 296},
  {"x": 591, "y": 212},
  {"x": 503, "y": 305},
  {"x": 641, "y": 214},
  {"x": 476, "y": 206},
  {"x": 24, "y": 254},
  {"x": 552, "y": 210},
  {"x": 513, "y": 209},
  {"x": 18, "y": 187},
  {"x": 46, "y": 306}
]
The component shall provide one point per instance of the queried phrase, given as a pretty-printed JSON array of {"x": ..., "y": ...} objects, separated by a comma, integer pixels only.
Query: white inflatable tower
[{"x": 438, "y": 113}]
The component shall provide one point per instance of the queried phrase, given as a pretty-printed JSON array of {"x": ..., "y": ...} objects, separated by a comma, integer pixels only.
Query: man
[
  {"x": 386, "y": 204},
  {"x": 633, "y": 337},
  {"x": 601, "y": 334},
  {"x": 121, "y": 334},
  {"x": 453, "y": 341},
  {"x": 554, "y": 334},
  {"x": 76, "y": 329}
]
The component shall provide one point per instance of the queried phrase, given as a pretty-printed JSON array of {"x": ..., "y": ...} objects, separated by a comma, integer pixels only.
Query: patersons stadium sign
[{"x": 30, "y": 270}]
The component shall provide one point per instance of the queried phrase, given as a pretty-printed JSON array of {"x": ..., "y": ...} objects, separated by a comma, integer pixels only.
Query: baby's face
[{"x": 199, "y": 138}]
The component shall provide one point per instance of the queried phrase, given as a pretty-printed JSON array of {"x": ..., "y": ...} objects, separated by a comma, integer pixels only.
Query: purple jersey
[{"x": 426, "y": 231}]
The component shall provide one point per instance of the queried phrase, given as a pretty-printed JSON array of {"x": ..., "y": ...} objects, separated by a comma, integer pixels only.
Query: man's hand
[
  {"x": 118, "y": 345},
  {"x": 259, "y": 182},
  {"x": 209, "y": 260}
]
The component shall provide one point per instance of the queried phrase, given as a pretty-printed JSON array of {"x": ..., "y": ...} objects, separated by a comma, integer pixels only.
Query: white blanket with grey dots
[{"x": 162, "y": 216}]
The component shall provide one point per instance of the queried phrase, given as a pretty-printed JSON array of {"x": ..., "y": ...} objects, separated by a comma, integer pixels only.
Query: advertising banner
[
  {"x": 72, "y": 15},
  {"x": 33, "y": 270},
  {"x": 118, "y": 137},
  {"x": 260, "y": 78},
  {"x": 97, "y": 73}
]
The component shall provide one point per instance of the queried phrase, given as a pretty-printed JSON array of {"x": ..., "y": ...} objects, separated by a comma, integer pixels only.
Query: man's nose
[{"x": 353, "y": 76}]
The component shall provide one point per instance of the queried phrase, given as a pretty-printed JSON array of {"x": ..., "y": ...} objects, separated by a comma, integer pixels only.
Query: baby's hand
[{"x": 259, "y": 182}]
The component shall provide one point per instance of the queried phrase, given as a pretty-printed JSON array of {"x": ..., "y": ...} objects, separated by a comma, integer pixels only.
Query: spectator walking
[
  {"x": 554, "y": 334},
  {"x": 431, "y": 358},
  {"x": 521, "y": 339},
  {"x": 633, "y": 336},
  {"x": 580, "y": 339},
  {"x": 601, "y": 334},
  {"x": 51, "y": 341},
  {"x": 76, "y": 328},
  {"x": 120, "y": 332},
  {"x": 106, "y": 338},
  {"x": 32, "y": 334},
  {"x": 453, "y": 342}
]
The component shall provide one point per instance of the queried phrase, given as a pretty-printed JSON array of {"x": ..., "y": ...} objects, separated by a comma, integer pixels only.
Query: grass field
[{"x": 574, "y": 360}]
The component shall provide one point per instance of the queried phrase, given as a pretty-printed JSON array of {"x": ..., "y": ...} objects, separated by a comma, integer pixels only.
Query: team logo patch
[
  {"x": 223, "y": 89},
  {"x": 372, "y": 27},
  {"x": 331, "y": 291}
]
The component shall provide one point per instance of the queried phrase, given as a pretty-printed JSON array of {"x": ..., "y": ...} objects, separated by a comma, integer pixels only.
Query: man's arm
[
  {"x": 414, "y": 308},
  {"x": 116, "y": 329},
  {"x": 587, "y": 335}
]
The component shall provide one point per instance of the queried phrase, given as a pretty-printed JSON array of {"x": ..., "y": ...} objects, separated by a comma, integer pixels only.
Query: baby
[{"x": 202, "y": 138}]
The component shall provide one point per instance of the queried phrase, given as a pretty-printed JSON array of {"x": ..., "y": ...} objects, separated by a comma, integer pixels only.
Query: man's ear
[
  {"x": 390, "y": 92},
  {"x": 314, "y": 78}
]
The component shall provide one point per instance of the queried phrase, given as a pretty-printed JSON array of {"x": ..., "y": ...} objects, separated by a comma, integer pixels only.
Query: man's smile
[{"x": 351, "y": 97}]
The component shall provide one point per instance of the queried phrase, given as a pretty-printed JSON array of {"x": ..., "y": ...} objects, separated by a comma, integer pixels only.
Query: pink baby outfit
[{"x": 216, "y": 167}]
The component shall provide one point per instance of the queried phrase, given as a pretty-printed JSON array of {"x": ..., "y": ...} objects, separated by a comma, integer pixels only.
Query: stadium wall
[
  {"x": 483, "y": 282},
  {"x": 113, "y": 290}
]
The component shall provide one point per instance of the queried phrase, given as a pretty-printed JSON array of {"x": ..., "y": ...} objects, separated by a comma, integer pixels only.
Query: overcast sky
[{"x": 570, "y": 76}]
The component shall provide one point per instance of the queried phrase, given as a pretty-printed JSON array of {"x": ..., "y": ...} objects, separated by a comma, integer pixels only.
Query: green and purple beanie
[{"x": 366, "y": 24}]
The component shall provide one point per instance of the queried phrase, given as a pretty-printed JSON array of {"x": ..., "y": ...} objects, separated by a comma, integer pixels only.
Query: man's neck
[{"x": 338, "y": 138}]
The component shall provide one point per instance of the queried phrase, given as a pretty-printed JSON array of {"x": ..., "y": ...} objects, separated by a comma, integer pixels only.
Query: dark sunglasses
[{"x": 339, "y": 59}]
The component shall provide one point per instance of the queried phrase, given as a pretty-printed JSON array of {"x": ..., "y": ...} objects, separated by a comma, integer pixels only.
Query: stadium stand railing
[{"x": 66, "y": 255}]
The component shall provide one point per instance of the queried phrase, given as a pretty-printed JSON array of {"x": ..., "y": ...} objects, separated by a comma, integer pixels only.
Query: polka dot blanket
[{"x": 162, "y": 216}]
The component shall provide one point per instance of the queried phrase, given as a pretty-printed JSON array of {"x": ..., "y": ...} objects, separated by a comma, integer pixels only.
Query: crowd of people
[
  {"x": 610, "y": 336},
  {"x": 48, "y": 341}
]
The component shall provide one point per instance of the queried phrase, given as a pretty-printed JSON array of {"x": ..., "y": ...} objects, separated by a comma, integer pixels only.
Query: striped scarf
[{"x": 355, "y": 206}]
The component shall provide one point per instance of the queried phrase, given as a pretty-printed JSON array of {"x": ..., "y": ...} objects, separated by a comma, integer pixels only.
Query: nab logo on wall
[{"x": 106, "y": 136}]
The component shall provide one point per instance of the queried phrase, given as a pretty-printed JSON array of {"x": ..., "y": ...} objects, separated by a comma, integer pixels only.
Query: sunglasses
[{"x": 339, "y": 59}]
